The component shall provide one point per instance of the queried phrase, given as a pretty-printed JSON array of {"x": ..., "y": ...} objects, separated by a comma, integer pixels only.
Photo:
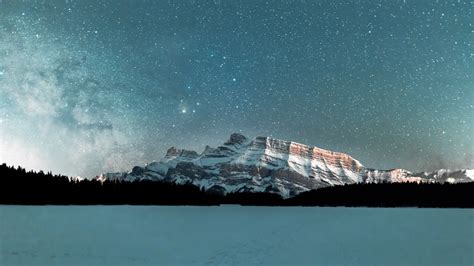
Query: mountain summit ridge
[{"x": 266, "y": 164}]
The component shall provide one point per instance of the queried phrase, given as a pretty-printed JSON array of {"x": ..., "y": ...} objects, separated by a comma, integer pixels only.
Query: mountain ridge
[{"x": 265, "y": 164}]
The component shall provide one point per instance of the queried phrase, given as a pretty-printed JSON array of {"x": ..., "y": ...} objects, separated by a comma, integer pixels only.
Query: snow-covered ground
[{"x": 234, "y": 235}]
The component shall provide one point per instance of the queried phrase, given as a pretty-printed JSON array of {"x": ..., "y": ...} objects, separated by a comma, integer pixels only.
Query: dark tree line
[
  {"x": 390, "y": 195},
  {"x": 17, "y": 186}
]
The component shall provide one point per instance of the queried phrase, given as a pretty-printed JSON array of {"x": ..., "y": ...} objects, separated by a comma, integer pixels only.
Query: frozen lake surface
[{"x": 234, "y": 235}]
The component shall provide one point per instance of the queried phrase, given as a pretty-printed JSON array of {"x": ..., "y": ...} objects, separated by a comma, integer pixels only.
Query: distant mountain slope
[{"x": 265, "y": 164}]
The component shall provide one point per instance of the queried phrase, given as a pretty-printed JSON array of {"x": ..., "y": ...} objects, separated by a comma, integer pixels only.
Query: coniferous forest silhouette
[{"x": 21, "y": 187}]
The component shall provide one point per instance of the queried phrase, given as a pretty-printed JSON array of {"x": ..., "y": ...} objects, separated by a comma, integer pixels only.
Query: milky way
[{"x": 93, "y": 86}]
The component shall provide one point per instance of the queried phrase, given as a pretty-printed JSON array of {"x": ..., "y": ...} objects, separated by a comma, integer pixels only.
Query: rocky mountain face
[{"x": 265, "y": 164}]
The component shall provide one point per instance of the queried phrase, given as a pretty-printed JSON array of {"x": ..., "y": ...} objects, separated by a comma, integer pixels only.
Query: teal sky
[{"x": 92, "y": 86}]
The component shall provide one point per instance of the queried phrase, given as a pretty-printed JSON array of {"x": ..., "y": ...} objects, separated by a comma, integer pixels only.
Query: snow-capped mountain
[
  {"x": 265, "y": 164},
  {"x": 446, "y": 175},
  {"x": 76, "y": 178}
]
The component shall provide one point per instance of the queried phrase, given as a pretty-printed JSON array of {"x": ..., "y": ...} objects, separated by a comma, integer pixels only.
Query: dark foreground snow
[{"x": 234, "y": 235}]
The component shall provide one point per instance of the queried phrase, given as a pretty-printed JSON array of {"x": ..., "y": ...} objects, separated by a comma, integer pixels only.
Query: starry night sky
[{"x": 92, "y": 86}]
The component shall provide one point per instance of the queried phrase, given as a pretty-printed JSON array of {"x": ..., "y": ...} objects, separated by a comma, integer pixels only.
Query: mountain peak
[
  {"x": 236, "y": 138},
  {"x": 172, "y": 152},
  {"x": 208, "y": 149}
]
